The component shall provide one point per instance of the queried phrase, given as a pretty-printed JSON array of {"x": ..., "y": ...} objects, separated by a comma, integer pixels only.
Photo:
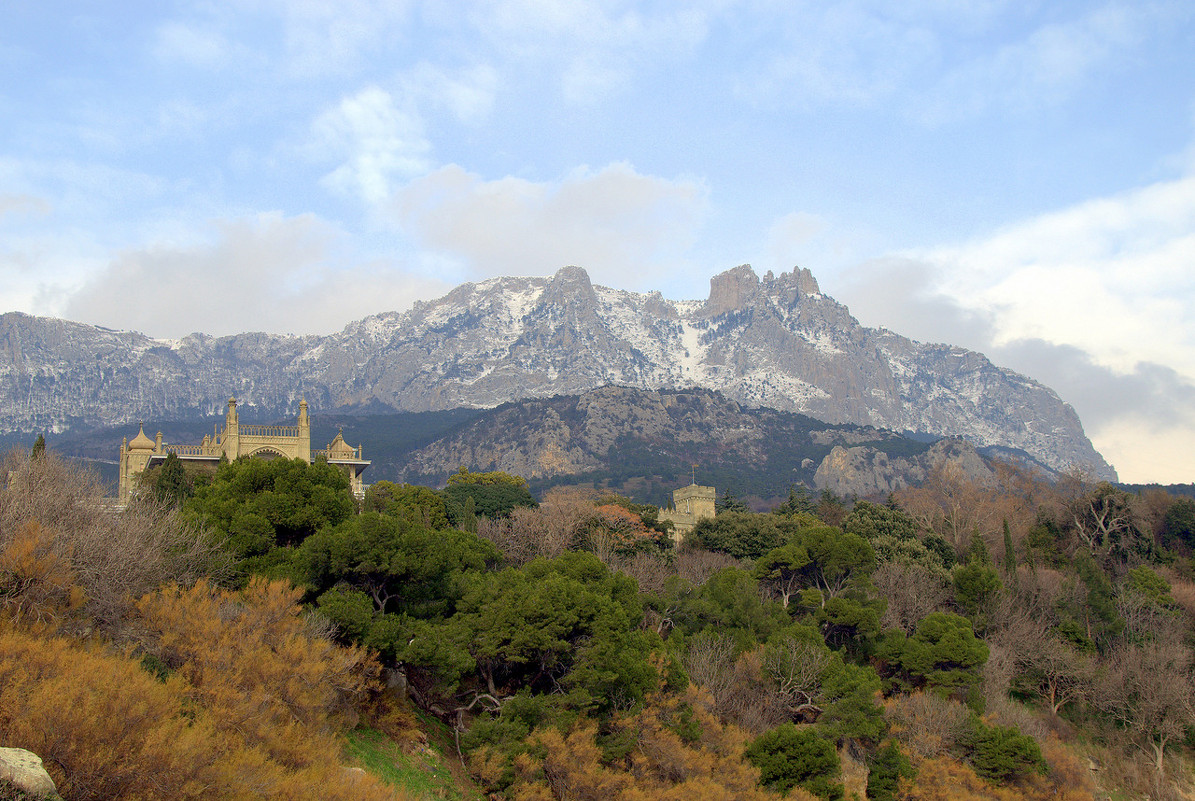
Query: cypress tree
[
  {"x": 1010, "y": 555},
  {"x": 172, "y": 485}
]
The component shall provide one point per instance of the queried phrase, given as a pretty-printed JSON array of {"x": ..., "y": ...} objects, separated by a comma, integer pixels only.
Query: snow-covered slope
[{"x": 776, "y": 342}]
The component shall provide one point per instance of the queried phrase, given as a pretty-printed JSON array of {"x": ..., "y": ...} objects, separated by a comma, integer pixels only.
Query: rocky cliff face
[
  {"x": 772, "y": 342},
  {"x": 621, "y": 433},
  {"x": 869, "y": 471}
]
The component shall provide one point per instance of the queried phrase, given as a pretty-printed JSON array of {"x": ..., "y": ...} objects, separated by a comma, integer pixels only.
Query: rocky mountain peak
[
  {"x": 509, "y": 339},
  {"x": 740, "y": 288},
  {"x": 734, "y": 289},
  {"x": 569, "y": 285},
  {"x": 799, "y": 280}
]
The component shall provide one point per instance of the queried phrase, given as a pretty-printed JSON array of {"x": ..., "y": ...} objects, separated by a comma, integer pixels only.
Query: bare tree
[
  {"x": 561, "y": 522},
  {"x": 649, "y": 570},
  {"x": 696, "y": 565},
  {"x": 1149, "y": 689},
  {"x": 795, "y": 667},
  {"x": 928, "y": 725},
  {"x": 710, "y": 664},
  {"x": 1064, "y": 674},
  {"x": 912, "y": 592},
  {"x": 113, "y": 555}
]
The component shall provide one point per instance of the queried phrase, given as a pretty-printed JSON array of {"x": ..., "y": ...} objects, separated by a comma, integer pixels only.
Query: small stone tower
[{"x": 690, "y": 504}]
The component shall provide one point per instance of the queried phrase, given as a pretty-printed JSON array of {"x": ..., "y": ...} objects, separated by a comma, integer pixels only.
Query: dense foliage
[{"x": 953, "y": 641}]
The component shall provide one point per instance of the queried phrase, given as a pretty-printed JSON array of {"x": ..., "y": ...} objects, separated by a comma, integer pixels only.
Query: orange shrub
[
  {"x": 681, "y": 751},
  {"x": 107, "y": 729},
  {"x": 251, "y": 659}
]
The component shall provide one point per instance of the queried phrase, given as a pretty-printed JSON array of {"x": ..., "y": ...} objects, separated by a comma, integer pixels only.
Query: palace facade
[{"x": 236, "y": 440}]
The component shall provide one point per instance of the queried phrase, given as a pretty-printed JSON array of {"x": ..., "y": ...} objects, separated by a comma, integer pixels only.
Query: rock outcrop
[
  {"x": 868, "y": 471},
  {"x": 24, "y": 770}
]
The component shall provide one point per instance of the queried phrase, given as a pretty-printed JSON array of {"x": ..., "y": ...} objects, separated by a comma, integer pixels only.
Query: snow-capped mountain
[{"x": 775, "y": 342}]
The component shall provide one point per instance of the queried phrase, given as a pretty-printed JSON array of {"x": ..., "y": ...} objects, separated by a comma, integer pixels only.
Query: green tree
[
  {"x": 729, "y": 602},
  {"x": 942, "y": 653},
  {"x": 494, "y": 495},
  {"x": 870, "y": 521},
  {"x": 1089, "y": 618},
  {"x": 1001, "y": 753},
  {"x": 831, "y": 570},
  {"x": 729, "y": 502},
  {"x": 1146, "y": 583},
  {"x": 529, "y": 626},
  {"x": 258, "y": 504},
  {"x": 400, "y": 565},
  {"x": 849, "y": 709},
  {"x": 886, "y": 768},
  {"x": 39, "y": 447},
  {"x": 463, "y": 477},
  {"x": 799, "y": 501},
  {"x": 831, "y": 509},
  {"x": 418, "y": 505},
  {"x": 838, "y": 561},
  {"x": 789, "y": 757},
  {"x": 351, "y": 610},
  {"x": 743, "y": 535},
  {"x": 783, "y": 570},
  {"x": 172, "y": 484},
  {"x": 1179, "y": 522},
  {"x": 1010, "y": 554},
  {"x": 976, "y": 587}
]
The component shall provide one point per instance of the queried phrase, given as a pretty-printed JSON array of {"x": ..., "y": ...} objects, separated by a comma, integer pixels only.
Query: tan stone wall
[{"x": 690, "y": 504}]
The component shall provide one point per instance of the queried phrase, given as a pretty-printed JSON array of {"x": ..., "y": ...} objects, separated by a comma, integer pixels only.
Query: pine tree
[
  {"x": 39, "y": 447},
  {"x": 729, "y": 502}
]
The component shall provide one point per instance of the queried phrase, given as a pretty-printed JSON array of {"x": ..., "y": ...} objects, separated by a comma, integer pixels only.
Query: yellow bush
[{"x": 260, "y": 722}]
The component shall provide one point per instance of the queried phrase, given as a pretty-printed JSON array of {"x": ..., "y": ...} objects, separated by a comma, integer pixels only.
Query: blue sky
[{"x": 1014, "y": 177}]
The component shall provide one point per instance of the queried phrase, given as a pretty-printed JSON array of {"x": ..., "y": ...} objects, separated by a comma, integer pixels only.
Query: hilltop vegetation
[{"x": 234, "y": 633}]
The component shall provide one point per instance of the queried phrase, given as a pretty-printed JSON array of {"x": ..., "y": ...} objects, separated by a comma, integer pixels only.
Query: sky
[{"x": 1016, "y": 178}]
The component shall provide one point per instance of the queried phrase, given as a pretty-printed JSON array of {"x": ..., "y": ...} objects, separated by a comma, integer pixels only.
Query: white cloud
[
  {"x": 1146, "y": 452},
  {"x": 623, "y": 227},
  {"x": 936, "y": 61},
  {"x": 323, "y": 36},
  {"x": 296, "y": 38},
  {"x": 840, "y": 53},
  {"x": 467, "y": 93},
  {"x": 266, "y": 273},
  {"x": 1096, "y": 301},
  {"x": 1111, "y": 276},
  {"x": 380, "y": 138},
  {"x": 23, "y": 204},
  {"x": 379, "y": 134}
]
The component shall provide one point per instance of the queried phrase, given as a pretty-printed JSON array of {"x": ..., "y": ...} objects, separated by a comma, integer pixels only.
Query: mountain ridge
[{"x": 774, "y": 342}]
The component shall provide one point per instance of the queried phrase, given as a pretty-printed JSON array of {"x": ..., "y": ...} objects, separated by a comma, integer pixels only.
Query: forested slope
[{"x": 1007, "y": 639}]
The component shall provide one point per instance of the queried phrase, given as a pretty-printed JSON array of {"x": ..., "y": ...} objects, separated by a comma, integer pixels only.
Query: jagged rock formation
[{"x": 776, "y": 342}]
